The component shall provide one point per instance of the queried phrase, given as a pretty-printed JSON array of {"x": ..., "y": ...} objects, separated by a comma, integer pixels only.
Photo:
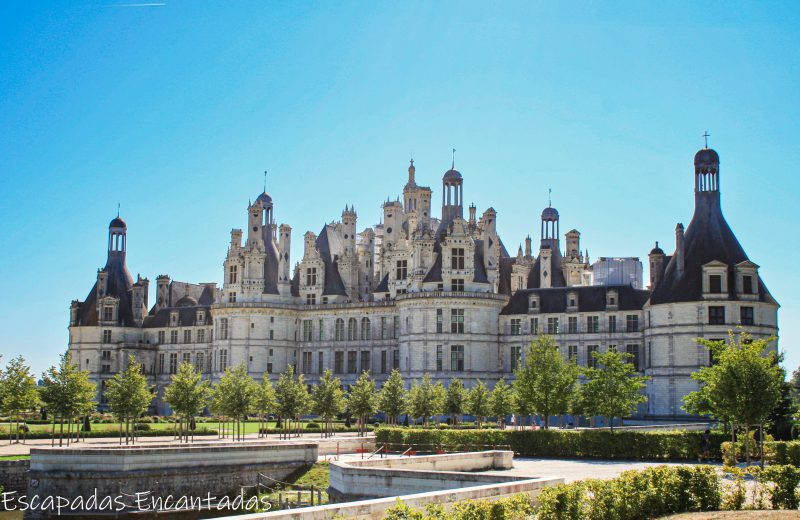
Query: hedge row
[
  {"x": 775, "y": 452},
  {"x": 98, "y": 434},
  {"x": 592, "y": 444}
]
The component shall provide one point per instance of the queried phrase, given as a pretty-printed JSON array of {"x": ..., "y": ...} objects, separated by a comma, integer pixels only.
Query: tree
[
  {"x": 362, "y": 401},
  {"x": 19, "y": 391},
  {"x": 265, "y": 403},
  {"x": 742, "y": 386},
  {"x": 478, "y": 402},
  {"x": 501, "y": 401},
  {"x": 66, "y": 393},
  {"x": 423, "y": 399},
  {"x": 328, "y": 400},
  {"x": 545, "y": 382},
  {"x": 455, "y": 400},
  {"x": 235, "y": 396},
  {"x": 612, "y": 389},
  {"x": 393, "y": 398},
  {"x": 293, "y": 399},
  {"x": 187, "y": 394},
  {"x": 128, "y": 396}
]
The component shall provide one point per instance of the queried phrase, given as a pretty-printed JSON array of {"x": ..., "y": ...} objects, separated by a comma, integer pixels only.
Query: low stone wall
[
  {"x": 193, "y": 470},
  {"x": 14, "y": 475},
  {"x": 335, "y": 446}
]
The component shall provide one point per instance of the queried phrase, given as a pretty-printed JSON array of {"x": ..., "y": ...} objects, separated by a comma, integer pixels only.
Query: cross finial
[
  {"x": 706, "y": 135},
  {"x": 453, "y": 167},
  {"x": 265, "y": 181}
]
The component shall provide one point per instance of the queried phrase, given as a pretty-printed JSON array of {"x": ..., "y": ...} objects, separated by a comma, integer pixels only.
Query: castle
[{"x": 428, "y": 295}]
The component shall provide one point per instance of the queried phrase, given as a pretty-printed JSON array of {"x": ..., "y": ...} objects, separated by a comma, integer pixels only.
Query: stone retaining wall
[{"x": 14, "y": 475}]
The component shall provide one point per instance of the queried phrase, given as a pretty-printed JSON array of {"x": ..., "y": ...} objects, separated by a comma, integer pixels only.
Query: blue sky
[{"x": 174, "y": 111}]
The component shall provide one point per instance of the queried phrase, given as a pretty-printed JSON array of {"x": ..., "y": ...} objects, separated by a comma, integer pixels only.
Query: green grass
[
  {"x": 15, "y": 457},
  {"x": 317, "y": 475}
]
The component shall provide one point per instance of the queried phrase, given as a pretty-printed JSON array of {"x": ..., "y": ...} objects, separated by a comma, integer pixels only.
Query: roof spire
[
  {"x": 265, "y": 181},
  {"x": 117, "y": 209},
  {"x": 549, "y": 197},
  {"x": 453, "y": 167},
  {"x": 706, "y": 135}
]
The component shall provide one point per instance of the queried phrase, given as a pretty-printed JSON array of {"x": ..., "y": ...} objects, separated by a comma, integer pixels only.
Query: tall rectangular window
[
  {"x": 311, "y": 276},
  {"x": 572, "y": 353},
  {"x": 746, "y": 315},
  {"x": 716, "y": 315},
  {"x": 457, "y": 321},
  {"x": 384, "y": 328},
  {"x": 173, "y": 363},
  {"x": 592, "y": 324},
  {"x": 457, "y": 258},
  {"x": 108, "y": 313},
  {"x": 439, "y": 358},
  {"x": 232, "y": 297},
  {"x": 439, "y": 321},
  {"x": 161, "y": 357},
  {"x": 516, "y": 357},
  {"x": 339, "y": 330},
  {"x": 715, "y": 283},
  {"x": 633, "y": 351},
  {"x": 612, "y": 324},
  {"x": 223, "y": 328},
  {"x": 201, "y": 336},
  {"x": 396, "y": 359},
  {"x": 223, "y": 360},
  {"x": 321, "y": 330},
  {"x": 187, "y": 357},
  {"x": 173, "y": 337},
  {"x": 747, "y": 284},
  {"x": 534, "y": 326},
  {"x": 106, "y": 336},
  {"x": 591, "y": 361},
  {"x": 572, "y": 325},
  {"x": 365, "y": 361},
  {"x": 401, "y": 272},
  {"x": 338, "y": 362},
  {"x": 199, "y": 362},
  {"x": 308, "y": 330},
  {"x": 232, "y": 274},
  {"x": 457, "y": 358},
  {"x": 306, "y": 363},
  {"x": 552, "y": 325},
  {"x": 632, "y": 323},
  {"x": 516, "y": 326},
  {"x": 311, "y": 299},
  {"x": 366, "y": 329},
  {"x": 161, "y": 337},
  {"x": 457, "y": 285},
  {"x": 320, "y": 363},
  {"x": 383, "y": 362},
  {"x": 397, "y": 328},
  {"x": 187, "y": 336},
  {"x": 352, "y": 361}
]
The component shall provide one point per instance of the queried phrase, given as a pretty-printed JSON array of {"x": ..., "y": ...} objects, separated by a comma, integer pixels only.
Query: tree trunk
[
  {"x": 611, "y": 423},
  {"x": 61, "y": 433},
  {"x": 747, "y": 444}
]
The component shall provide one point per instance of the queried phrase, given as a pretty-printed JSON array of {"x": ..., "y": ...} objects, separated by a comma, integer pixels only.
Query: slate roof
[
  {"x": 556, "y": 276},
  {"x": 187, "y": 317},
  {"x": 383, "y": 287},
  {"x": 591, "y": 298},
  {"x": 329, "y": 245},
  {"x": 120, "y": 285}
]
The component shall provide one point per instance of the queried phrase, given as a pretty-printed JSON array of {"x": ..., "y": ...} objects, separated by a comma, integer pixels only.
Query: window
[
  {"x": 591, "y": 361},
  {"x": 187, "y": 357},
  {"x": 633, "y": 351},
  {"x": 269, "y": 367},
  {"x": 173, "y": 337},
  {"x": 108, "y": 313},
  {"x": 383, "y": 362},
  {"x": 396, "y": 358},
  {"x": 716, "y": 315},
  {"x": 572, "y": 353},
  {"x": 232, "y": 297},
  {"x": 105, "y": 369},
  {"x": 352, "y": 360},
  {"x": 457, "y": 321},
  {"x": 223, "y": 360},
  {"x": 593, "y": 324},
  {"x": 457, "y": 258},
  {"x": 223, "y": 329},
  {"x": 612, "y": 324},
  {"x": 320, "y": 363},
  {"x": 746, "y": 315},
  {"x": 439, "y": 321},
  {"x": 173, "y": 363},
  {"x": 516, "y": 357},
  {"x": 271, "y": 334},
  {"x": 516, "y": 326},
  {"x": 321, "y": 332},
  {"x": 631, "y": 323},
  {"x": 338, "y": 362},
  {"x": 105, "y": 355},
  {"x": 715, "y": 283},
  {"x": 311, "y": 276},
  {"x": 199, "y": 361},
  {"x": 305, "y": 366},
  {"x": 366, "y": 330},
  {"x": 232, "y": 274},
  {"x": 311, "y": 299},
  {"x": 351, "y": 329},
  {"x": 187, "y": 336},
  {"x": 439, "y": 358},
  {"x": 308, "y": 330},
  {"x": 201, "y": 336},
  {"x": 457, "y": 285},
  {"x": 534, "y": 326},
  {"x": 747, "y": 284},
  {"x": 457, "y": 358},
  {"x": 161, "y": 337},
  {"x": 612, "y": 348},
  {"x": 339, "y": 330},
  {"x": 365, "y": 361},
  {"x": 397, "y": 332},
  {"x": 161, "y": 357},
  {"x": 402, "y": 270},
  {"x": 552, "y": 325},
  {"x": 384, "y": 328},
  {"x": 106, "y": 336},
  {"x": 572, "y": 325}
]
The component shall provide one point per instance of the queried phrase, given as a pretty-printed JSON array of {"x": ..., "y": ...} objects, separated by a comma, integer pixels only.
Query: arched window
[
  {"x": 365, "y": 329},
  {"x": 339, "y": 329},
  {"x": 351, "y": 329}
]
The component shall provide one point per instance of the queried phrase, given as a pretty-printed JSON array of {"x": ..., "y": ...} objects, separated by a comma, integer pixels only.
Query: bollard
[
  {"x": 312, "y": 494},
  {"x": 299, "y": 499}
]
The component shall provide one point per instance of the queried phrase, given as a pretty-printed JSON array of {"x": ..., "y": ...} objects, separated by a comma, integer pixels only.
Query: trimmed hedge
[
  {"x": 591, "y": 444},
  {"x": 775, "y": 452},
  {"x": 106, "y": 433}
]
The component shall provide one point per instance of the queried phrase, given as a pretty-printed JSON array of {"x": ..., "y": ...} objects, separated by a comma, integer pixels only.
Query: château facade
[{"x": 424, "y": 294}]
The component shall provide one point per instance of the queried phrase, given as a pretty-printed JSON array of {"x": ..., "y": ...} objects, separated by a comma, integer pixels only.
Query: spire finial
[
  {"x": 549, "y": 197},
  {"x": 453, "y": 167},
  {"x": 265, "y": 181},
  {"x": 117, "y": 209},
  {"x": 706, "y": 135}
]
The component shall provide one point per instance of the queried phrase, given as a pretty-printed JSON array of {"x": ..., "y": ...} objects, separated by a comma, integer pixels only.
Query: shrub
[
  {"x": 783, "y": 492},
  {"x": 313, "y": 426},
  {"x": 141, "y": 427},
  {"x": 775, "y": 452}
]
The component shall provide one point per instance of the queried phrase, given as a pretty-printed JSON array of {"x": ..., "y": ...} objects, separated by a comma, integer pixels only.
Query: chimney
[{"x": 679, "y": 252}]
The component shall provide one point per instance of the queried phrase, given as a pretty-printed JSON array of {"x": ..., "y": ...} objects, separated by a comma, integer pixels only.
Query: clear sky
[{"x": 175, "y": 110}]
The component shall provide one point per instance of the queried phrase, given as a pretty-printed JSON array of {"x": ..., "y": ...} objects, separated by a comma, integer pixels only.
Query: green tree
[
  {"x": 502, "y": 401},
  {"x": 362, "y": 401},
  {"x": 19, "y": 391},
  {"x": 187, "y": 394},
  {"x": 742, "y": 386},
  {"x": 545, "y": 382},
  {"x": 235, "y": 396},
  {"x": 478, "y": 402},
  {"x": 422, "y": 399},
  {"x": 393, "y": 398},
  {"x": 266, "y": 402},
  {"x": 128, "y": 396},
  {"x": 612, "y": 389},
  {"x": 456, "y": 400},
  {"x": 328, "y": 400},
  {"x": 66, "y": 393},
  {"x": 293, "y": 400}
]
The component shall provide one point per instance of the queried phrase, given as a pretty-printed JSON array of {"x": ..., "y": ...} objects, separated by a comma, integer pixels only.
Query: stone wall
[{"x": 14, "y": 475}]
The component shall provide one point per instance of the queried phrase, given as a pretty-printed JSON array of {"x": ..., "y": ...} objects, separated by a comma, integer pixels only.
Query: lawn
[{"x": 316, "y": 475}]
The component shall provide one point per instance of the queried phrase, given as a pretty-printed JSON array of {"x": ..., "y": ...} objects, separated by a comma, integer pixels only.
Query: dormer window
[
  {"x": 173, "y": 318},
  {"x": 747, "y": 280},
  {"x": 715, "y": 283},
  {"x": 108, "y": 313},
  {"x": 201, "y": 317},
  {"x": 457, "y": 258},
  {"x": 715, "y": 279},
  {"x": 611, "y": 299},
  {"x": 572, "y": 301},
  {"x": 747, "y": 284},
  {"x": 533, "y": 303}
]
